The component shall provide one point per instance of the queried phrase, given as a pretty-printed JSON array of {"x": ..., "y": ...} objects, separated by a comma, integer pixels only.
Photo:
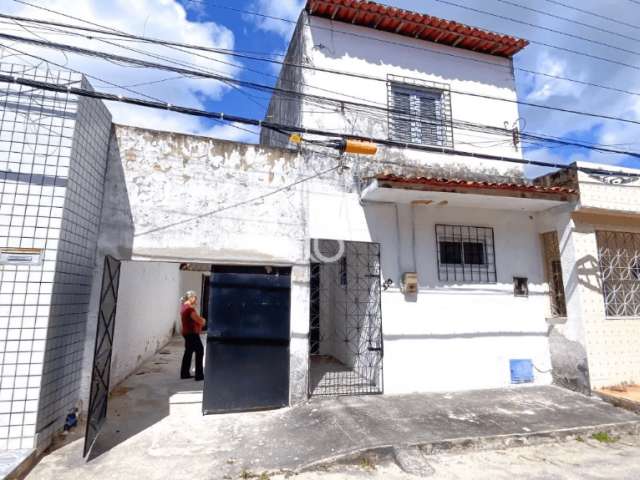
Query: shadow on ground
[{"x": 144, "y": 398}]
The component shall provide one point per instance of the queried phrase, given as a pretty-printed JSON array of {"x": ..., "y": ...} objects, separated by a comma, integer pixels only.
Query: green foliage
[{"x": 604, "y": 437}]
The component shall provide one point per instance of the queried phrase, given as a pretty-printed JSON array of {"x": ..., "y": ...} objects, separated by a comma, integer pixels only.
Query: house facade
[
  {"x": 414, "y": 80},
  {"x": 433, "y": 265}
]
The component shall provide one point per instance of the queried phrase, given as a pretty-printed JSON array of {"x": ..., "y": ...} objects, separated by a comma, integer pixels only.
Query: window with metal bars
[
  {"x": 419, "y": 113},
  {"x": 619, "y": 260},
  {"x": 465, "y": 254}
]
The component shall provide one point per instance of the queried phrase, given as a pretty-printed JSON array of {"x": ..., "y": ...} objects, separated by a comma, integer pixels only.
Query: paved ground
[
  {"x": 571, "y": 460},
  {"x": 148, "y": 435},
  {"x": 11, "y": 459}
]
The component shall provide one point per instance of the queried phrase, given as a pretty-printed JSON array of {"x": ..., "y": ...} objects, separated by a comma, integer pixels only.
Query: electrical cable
[
  {"x": 582, "y": 145},
  {"x": 354, "y": 34},
  {"x": 238, "y": 204},
  {"x": 262, "y": 87},
  {"x": 569, "y": 20},
  {"x": 401, "y": 114},
  {"x": 548, "y": 45},
  {"x": 113, "y": 85},
  {"x": 291, "y": 128},
  {"x": 597, "y": 15}
]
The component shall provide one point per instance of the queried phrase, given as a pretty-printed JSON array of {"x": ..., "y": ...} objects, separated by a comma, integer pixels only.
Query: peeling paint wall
[
  {"x": 567, "y": 336},
  {"x": 472, "y": 329},
  {"x": 323, "y": 44},
  {"x": 177, "y": 183}
]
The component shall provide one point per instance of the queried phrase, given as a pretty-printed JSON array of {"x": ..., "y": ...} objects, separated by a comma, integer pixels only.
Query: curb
[{"x": 458, "y": 445}]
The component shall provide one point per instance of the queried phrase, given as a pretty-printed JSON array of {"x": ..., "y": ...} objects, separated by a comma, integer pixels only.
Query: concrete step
[{"x": 186, "y": 403}]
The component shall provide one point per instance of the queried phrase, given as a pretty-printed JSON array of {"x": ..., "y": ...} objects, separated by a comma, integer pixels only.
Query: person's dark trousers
[{"x": 192, "y": 344}]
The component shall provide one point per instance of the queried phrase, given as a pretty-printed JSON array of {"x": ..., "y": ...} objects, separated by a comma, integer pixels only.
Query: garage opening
[
  {"x": 345, "y": 330},
  {"x": 246, "y": 340},
  {"x": 148, "y": 318}
]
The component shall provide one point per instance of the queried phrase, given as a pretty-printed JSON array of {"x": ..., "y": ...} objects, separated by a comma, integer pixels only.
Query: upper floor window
[{"x": 419, "y": 112}]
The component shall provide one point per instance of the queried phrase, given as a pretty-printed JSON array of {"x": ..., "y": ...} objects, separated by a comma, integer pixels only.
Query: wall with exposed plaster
[
  {"x": 472, "y": 330},
  {"x": 369, "y": 53}
]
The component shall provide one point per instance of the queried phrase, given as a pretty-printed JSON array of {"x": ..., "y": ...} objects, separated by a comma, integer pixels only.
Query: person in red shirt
[{"x": 192, "y": 324}]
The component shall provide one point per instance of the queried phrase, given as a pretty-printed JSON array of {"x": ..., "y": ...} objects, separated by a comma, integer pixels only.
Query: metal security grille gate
[
  {"x": 345, "y": 336},
  {"x": 101, "y": 371}
]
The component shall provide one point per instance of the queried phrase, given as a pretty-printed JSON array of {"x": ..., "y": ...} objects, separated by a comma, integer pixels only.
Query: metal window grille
[
  {"x": 465, "y": 254},
  {"x": 345, "y": 334},
  {"x": 619, "y": 259},
  {"x": 553, "y": 269},
  {"x": 419, "y": 112}
]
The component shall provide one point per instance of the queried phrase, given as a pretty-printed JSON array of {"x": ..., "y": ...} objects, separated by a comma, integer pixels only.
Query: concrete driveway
[{"x": 155, "y": 429}]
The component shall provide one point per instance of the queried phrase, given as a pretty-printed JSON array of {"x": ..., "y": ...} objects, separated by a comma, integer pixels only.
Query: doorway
[
  {"x": 345, "y": 320},
  {"x": 247, "y": 352}
]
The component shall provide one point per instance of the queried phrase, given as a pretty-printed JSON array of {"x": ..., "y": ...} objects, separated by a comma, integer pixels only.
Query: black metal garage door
[{"x": 247, "y": 357}]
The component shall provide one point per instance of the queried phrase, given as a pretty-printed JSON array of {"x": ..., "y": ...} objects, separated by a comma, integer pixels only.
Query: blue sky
[{"x": 209, "y": 23}]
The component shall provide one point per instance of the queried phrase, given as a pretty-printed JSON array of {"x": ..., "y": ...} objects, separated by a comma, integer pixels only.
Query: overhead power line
[
  {"x": 570, "y": 20},
  {"x": 549, "y": 45},
  {"x": 283, "y": 128},
  {"x": 239, "y": 204},
  {"x": 524, "y": 136},
  {"x": 597, "y": 15},
  {"x": 262, "y": 87},
  {"x": 353, "y": 34}
]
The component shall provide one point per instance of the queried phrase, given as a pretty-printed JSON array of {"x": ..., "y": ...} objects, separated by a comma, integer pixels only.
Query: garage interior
[{"x": 247, "y": 309}]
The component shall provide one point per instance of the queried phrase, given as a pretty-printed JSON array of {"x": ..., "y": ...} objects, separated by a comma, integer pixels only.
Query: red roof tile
[
  {"x": 416, "y": 25},
  {"x": 476, "y": 185}
]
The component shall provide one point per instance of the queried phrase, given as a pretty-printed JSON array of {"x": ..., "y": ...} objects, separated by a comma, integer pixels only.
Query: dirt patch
[
  {"x": 628, "y": 392},
  {"x": 120, "y": 391}
]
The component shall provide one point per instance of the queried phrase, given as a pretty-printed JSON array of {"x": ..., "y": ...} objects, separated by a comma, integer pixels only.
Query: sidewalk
[{"x": 146, "y": 438}]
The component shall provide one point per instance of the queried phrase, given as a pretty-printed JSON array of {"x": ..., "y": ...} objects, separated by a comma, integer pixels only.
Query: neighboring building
[
  {"x": 595, "y": 249},
  {"x": 52, "y": 168},
  {"x": 407, "y": 271}
]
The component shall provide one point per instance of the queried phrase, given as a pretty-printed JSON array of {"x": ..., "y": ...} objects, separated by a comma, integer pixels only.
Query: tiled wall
[
  {"x": 61, "y": 377},
  {"x": 52, "y": 150}
]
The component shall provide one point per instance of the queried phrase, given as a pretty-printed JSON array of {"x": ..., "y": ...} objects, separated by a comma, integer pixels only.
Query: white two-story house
[{"x": 465, "y": 292}]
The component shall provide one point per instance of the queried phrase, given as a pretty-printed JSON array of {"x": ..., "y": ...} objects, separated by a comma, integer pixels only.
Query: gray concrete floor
[
  {"x": 571, "y": 460},
  {"x": 155, "y": 429}
]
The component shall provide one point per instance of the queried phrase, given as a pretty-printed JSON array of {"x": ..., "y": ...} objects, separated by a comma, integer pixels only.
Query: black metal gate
[
  {"x": 97, "y": 413},
  {"x": 247, "y": 357},
  {"x": 345, "y": 331}
]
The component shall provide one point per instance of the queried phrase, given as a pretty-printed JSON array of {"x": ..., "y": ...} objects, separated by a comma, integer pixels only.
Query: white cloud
[
  {"x": 544, "y": 88},
  {"x": 155, "y": 18},
  {"x": 553, "y": 61},
  {"x": 287, "y": 9}
]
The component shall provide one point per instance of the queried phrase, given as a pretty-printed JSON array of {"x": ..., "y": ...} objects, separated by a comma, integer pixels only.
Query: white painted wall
[
  {"x": 473, "y": 329},
  {"x": 340, "y": 46},
  {"x": 148, "y": 303},
  {"x": 450, "y": 336}
]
